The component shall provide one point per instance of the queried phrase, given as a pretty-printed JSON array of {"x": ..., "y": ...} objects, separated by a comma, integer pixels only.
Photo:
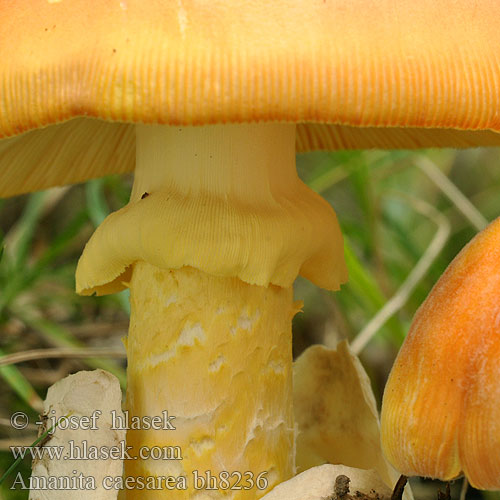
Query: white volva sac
[{"x": 91, "y": 451}]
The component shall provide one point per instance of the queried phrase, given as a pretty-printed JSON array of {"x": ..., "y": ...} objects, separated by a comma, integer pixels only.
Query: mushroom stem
[
  {"x": 218, "y": 227},
  {"x": 216, "y": 353}
]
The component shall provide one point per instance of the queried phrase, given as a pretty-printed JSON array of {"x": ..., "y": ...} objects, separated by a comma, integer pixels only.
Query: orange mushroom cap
[
  {"x": 352, "y": 74},
  {"x": 441, "y": 407}
]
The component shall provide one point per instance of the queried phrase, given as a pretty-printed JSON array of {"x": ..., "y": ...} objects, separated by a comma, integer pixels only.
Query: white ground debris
[
  {"x": 83, "y": 440},
  {"x": 318, "y": 483}
]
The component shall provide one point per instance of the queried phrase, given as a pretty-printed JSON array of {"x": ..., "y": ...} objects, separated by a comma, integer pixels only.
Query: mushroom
[
  {"x": 441, "y": 404},
  {"x": 210, "y": 102}
]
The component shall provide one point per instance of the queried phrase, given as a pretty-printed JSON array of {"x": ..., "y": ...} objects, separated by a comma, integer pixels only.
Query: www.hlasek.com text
[{"x": 82, "y": 450}]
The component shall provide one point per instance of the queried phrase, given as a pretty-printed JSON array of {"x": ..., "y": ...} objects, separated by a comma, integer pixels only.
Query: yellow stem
[
  {"x": 217, "y": 228},
  {"x": 216, "y": 354}
]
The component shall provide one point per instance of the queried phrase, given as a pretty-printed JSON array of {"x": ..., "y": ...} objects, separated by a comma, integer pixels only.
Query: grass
[{"x": 402, "y": 226}]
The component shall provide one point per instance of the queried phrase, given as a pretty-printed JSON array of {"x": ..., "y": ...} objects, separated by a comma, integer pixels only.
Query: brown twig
[
  {"x": 446, "y": 495},
  {"x": 61, "y": 352},
  {"x": 397, "y": 493}
]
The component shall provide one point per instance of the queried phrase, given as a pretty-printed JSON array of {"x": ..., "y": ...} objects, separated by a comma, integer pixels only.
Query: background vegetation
[{"x": 405, "y": 215}]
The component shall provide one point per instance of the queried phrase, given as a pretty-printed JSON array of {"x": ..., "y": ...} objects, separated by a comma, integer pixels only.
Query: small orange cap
[{"x": 441, "y": 407}]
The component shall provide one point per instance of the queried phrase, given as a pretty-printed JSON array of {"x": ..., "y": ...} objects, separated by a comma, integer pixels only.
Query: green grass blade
[
  {"x": 17, "y": 280},
  {"x": 26, "y": 228},
  {"x": 365, "y": 288},
  {"x": 14, "y": 465},
  {"x": 96, "y": 202},
  {"x": 20, "y": 385}
]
